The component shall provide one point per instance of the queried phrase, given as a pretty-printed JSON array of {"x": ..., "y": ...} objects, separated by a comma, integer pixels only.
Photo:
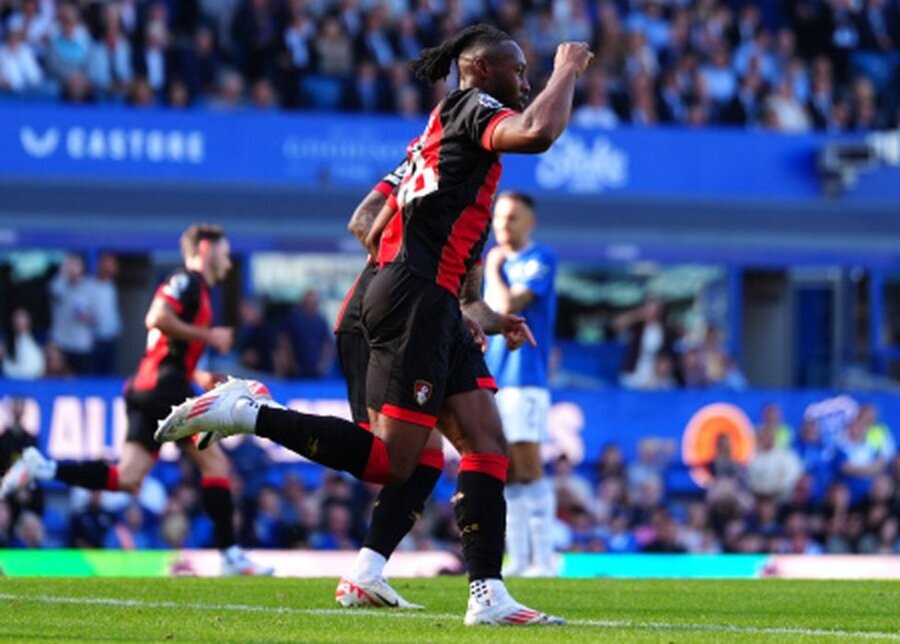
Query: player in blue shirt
[{"x": 519, "y": 278}]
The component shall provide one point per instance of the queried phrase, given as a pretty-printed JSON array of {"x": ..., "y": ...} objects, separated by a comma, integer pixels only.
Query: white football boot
[
  {"x": 376, "y": 593},
  {"x": 490, "y": 604},
  {"x": 235, "y": 563},
  {"x": 209, "y": 412},
  {"x": 260, "y": 393},
  {"x": 31, "y": 467}
]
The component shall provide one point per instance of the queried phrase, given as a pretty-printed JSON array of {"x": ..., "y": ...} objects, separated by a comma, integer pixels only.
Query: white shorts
[{"x": 524, "y": 411}]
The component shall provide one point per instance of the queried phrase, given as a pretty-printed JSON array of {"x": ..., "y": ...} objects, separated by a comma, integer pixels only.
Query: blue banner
[
  {"x": 84, "y": 419},
  {"x": 309, "y": 150}
]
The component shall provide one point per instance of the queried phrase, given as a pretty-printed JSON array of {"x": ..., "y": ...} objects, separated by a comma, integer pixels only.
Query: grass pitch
[{"x": 303, "y": 610}]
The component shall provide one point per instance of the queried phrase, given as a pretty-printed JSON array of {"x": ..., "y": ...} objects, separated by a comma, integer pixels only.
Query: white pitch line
[{"x": 607, "y": 624}]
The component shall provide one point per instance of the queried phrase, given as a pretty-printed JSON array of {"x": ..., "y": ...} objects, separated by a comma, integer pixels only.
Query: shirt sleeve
[
  {"x": 180, "y": 292},
  {"x": 481, "y": 114},
  {"x": 391, "y": 181},
  {"x": 539, "y": 273}
]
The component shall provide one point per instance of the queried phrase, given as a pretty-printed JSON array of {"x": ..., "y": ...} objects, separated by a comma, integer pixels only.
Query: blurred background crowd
[
  {"x": 790, "y": 66},
  {"x": 812, "y": 487}
]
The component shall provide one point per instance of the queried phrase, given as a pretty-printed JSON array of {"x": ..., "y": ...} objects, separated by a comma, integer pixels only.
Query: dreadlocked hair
[{"x": 434, "y": 64}]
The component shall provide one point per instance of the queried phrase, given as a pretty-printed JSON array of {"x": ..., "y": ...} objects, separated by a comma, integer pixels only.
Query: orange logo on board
[{"x": 698, "y": 445}]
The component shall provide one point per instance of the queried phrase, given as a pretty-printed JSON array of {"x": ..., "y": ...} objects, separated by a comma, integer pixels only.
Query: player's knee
[{"x": 400, "y": 470}]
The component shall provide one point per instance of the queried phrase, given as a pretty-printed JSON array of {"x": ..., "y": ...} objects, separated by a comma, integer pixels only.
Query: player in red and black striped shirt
[
  {"x": 423, "y": 359},
  {"x": 179, "y": 328}
]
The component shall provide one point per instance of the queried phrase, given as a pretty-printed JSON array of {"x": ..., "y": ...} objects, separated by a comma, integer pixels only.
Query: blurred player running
[{"x": 179, "y": 328}]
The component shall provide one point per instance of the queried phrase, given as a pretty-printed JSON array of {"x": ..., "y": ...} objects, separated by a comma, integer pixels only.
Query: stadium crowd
[
  {"x": 830, "y": 486},
  {"x": 789, "y": 66}
]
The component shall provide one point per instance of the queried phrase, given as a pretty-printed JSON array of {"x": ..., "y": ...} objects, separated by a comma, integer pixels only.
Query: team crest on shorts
[{"x": 422, "y": 391}]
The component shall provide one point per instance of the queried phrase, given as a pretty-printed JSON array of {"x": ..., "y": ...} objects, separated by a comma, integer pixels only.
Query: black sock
[
  {"x": 480, "y": 512},
  {"x": 397, "y": 508},
  {"x": 327, "y": 440},
  {"x": 93, "y": 475},
  {"x": 218, "y": 504}
]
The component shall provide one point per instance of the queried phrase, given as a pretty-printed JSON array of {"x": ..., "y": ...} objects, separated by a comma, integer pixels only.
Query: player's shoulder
[
  {"x": 538, "y": 252},
  {"x": 180, "y": 282},
  {"x": 472, "y": 98}
]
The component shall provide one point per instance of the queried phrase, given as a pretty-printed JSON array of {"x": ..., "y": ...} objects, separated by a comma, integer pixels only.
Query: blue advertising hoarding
[
  {"x": 308, "y": 150},
  {"x": 84, "y": 419}
]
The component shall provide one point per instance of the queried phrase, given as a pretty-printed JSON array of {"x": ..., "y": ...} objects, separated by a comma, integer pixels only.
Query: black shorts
[
  {"x": 353, "y": 353},
  {"x": 144, "y": 410},
  {"x": 420, "y": 350}
]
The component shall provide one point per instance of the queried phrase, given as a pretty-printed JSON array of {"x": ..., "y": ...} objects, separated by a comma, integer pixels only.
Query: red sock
[
  {"x": 378, "y": 466},
  {"x": 494, "y": 465},
  {"x": 112, "y": 479}
]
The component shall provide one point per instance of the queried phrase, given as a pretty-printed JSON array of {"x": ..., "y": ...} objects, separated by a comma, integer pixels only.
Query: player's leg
[
  {"x": 137, "y": 459},
  {"x": 531, "y": 503},
  {"x": 480, "y": 512},
  {"x": 218, "y": 503},
  {"x": 538, "y": 499},
  {"x": 396, "y": 508}
]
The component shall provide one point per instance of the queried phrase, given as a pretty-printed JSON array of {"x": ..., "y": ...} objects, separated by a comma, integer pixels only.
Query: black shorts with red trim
[
  {"x": 420, "y": 350},
  {"x": 348, "y": 318},
  {"x": 144, "y": 410},
  {"x": 353, "y": 353}
]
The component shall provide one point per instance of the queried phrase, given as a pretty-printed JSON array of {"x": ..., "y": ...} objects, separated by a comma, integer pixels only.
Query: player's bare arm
[
  {"x": 510, "y": 299},
  {"x": 164, "y": 319},
  {"x": 473, "y": 306},
  {"x": 365, "y": 214},
  {"x": 373, "y": 236},
  {"x": 542, "y": 122}
]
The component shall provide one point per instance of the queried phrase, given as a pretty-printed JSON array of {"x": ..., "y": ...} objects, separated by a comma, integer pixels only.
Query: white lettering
[
  {"x": 196, "y": 144},
  {"x": 118, "y": 145},
  {"x": 96, "y": 145},
  {"x": 574, "y": 165},
  {"x": 155, "y": 146},
  {"x": 75, "y": 140},
  {"x": 119, "y": 429},
  {"x": 66, "y": 440},
  {"x": 136, "y": 144},
  {"x": 94, "y": 428}
]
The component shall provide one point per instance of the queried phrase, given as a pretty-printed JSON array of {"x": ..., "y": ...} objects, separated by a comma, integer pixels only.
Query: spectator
[
  {"x": 654, "y": 456},
  {"x": 35, "y": 25},
  {"x": 109, "y": 61},
  {"x": 255, "y": 343},
  {"x": 858, "y": 462},
  {"x": 68, "y": 48},
  {"x": 74, "y": 315},
  {"x": 19, "y": 69},
  {"x": 311, "y": 337},
  {"x": 55, "y": 363},
  {"x": 596, "y": 110},
  {"x": 256, "y": 33},
  {"x": 88, "y": 528},
  {"x": 198, "y": 66},
  {"x": 649, "y": 335},
  {"x": 773, "y": 471},
  {"x": 15, "y": 437},
  {"x": 25, "y": 358},
  {"x": 130, "y": 532},
  {"x": 611, "y": 463},
  {"x": 772, "y": 418},
  {"x": 5, "y": 525},
  {"x": 878, "y": 435},
  {"x": 816, "y": 460},
  {"x": 108, "y": 320},
  {"x": 29, "y": 532},
  {"x": 155, "y": 61}
]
